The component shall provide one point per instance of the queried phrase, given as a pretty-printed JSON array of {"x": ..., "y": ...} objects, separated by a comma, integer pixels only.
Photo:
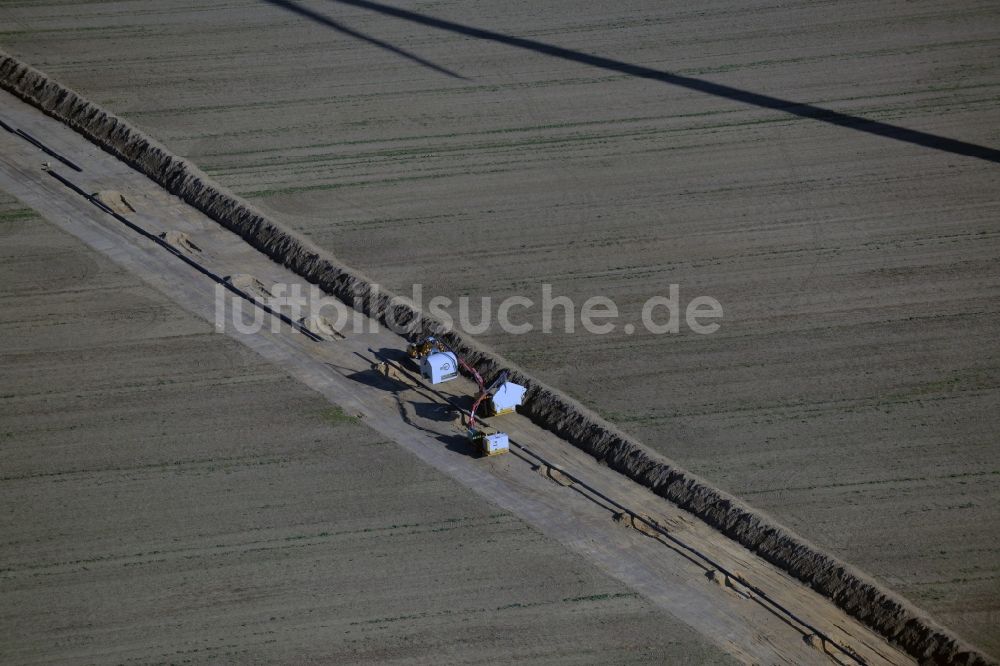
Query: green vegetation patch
[
  {"x": 334, "y": 415},
  {"x": 16, "y": 215}
]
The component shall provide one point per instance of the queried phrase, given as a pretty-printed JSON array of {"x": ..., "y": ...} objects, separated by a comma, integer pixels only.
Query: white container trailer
[{"x": 439, "y": 367}]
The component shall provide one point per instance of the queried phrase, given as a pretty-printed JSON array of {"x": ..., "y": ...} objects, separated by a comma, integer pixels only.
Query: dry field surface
[
  {"x": 853, "y": 388},
  {"x": 170, "y": 497}
]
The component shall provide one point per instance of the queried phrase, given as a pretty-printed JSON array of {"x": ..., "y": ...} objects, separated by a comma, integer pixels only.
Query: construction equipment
[
  {"x": 425, "y": 347},
  {"x": 440, "y": 363},
  {"x": 437, "y": 362},
  {"x": 489, "y": 441},
  {"x": 439, "y": 367},
  {"x": 504, "y": 397}
]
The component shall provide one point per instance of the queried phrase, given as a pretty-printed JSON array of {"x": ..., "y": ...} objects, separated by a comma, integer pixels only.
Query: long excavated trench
[{"x": 854, "y": 592}]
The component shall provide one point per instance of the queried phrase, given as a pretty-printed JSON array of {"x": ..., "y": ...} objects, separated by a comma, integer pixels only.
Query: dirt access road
[{"x": 757, "y": 614}]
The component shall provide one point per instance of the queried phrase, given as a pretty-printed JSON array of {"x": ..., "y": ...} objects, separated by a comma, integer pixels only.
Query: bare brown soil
[
  {"x": 852, "y": 390},
  {"x": 170, "y": 497},
  {"x": 853, "y": 591}
]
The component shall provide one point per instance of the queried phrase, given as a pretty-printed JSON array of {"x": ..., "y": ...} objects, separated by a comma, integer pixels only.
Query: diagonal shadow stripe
[
  {"x": 341, "y": 28},
  {"x": 810, "y": 111}
]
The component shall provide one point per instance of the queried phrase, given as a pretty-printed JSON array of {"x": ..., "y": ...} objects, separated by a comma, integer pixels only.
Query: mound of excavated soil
[
  {"x": 250, "y": 285},
  {"x": 114, "y": 200},
  {"x": 554, "y": 475},
  {"x": 181, "y": 241},
  {"x": 322, "y": 327},
  {"x": 642, "y": 526}
]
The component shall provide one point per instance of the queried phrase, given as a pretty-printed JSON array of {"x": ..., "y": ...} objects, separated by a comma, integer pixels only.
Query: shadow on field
[
  {"x": 340, "y": 27},
  {"x": 434, "y": 411},
  {"x": 809, "y": 111}
]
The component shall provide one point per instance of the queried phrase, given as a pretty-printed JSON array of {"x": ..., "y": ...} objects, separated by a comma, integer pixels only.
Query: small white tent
[{"x": 507, "y": 396}]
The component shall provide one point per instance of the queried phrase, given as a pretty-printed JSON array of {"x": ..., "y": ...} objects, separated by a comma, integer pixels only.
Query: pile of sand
[
  {"x": 626, "y": 519},
  {"x": 554, "y": 475},
  {"x": 322, "y": 327},
  {"x": 181, "y": 241},
  {"x": 114, "y": 200},
  {"x": 248, "y": 284}
]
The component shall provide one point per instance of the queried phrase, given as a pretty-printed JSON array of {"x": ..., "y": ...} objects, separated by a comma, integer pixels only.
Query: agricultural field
[
  {"x": 171, "y": 497},
  {"x": 851, "y": 390}
]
